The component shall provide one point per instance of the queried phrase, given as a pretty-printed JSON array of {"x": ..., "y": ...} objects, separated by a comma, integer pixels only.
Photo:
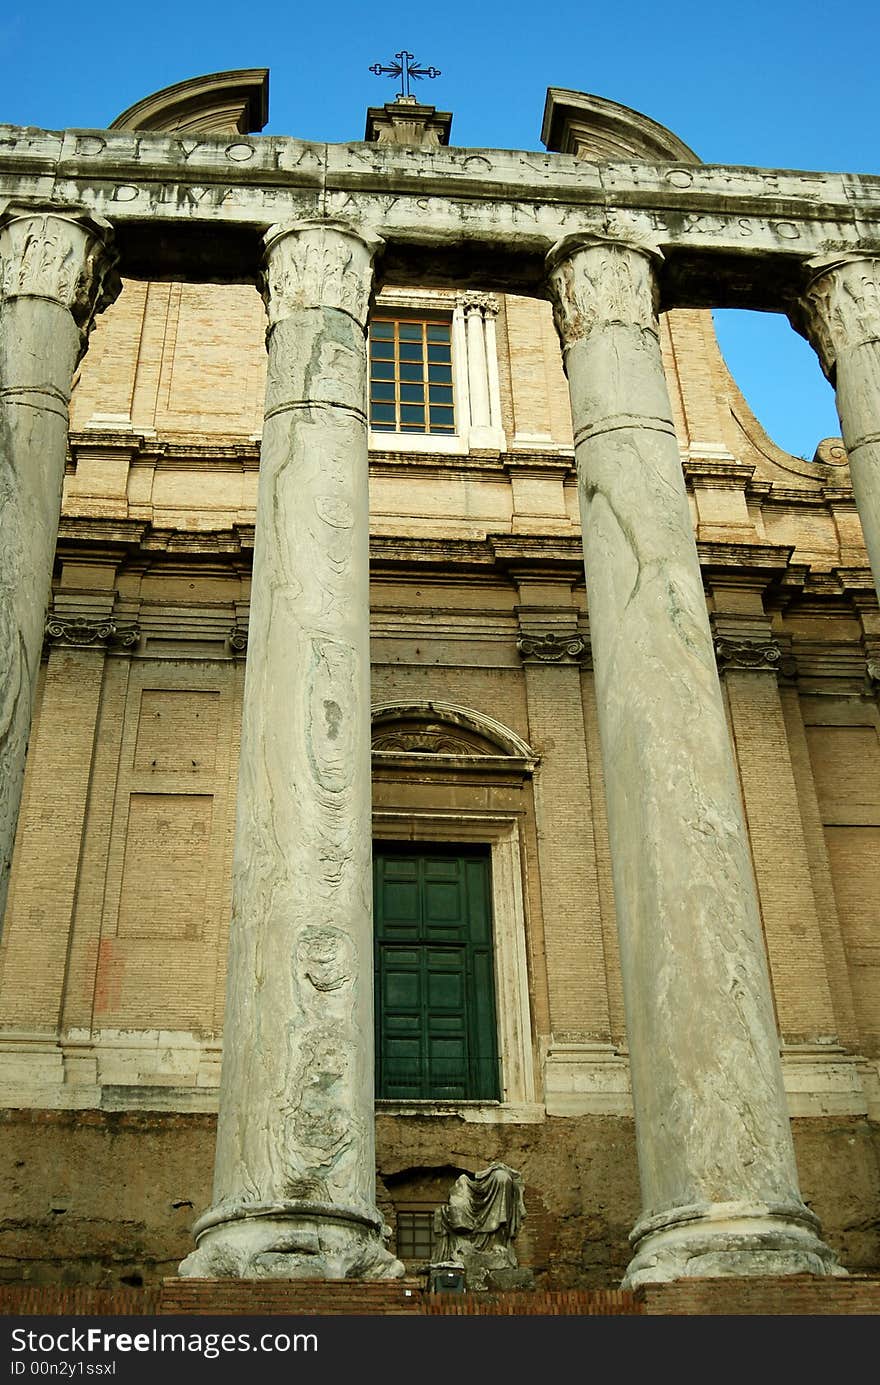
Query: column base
[
  {"x": 728, "y": 1240},
  {"x": 289, "y": 1241}
]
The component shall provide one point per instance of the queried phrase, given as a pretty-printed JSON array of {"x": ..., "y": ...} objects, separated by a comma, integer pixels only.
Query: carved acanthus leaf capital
[
  {"x": 318, "y": 264},
  {"x": 755, "y": 656},
  {"x": 552, "y": 648},
  {"x": 602, "y": 278},
  {"x": 66, "y": 257},
  {"x": 841, "y": 306},
  {"x": 486, "y": 304},
  {"x": 82, "y": 632}
]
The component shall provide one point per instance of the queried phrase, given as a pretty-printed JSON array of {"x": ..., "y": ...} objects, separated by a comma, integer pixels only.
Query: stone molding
[
  {"x": 841, "y": 306},
  {"x": 80, "y": 632},
  {"x": 318, "y": 264},
  {"x": 597, "y": 280},
  {"x": 553, "y": 647},
  {"x": 63, "y": 256}
]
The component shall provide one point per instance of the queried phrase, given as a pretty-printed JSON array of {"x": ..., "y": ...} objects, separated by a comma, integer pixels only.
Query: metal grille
[
  {"x": 411, "y": 376},
  {"x": 415, "y": 1236}
]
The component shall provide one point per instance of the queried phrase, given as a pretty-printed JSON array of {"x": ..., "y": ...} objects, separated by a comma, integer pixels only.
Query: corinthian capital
[
  {"x": 841, "y": 306},
  {"x": 63, "y": 256},
  {"x": 485, "y": 304},
  {"x": 603, "y": 278},
  {"x": 318, "y": 264}
]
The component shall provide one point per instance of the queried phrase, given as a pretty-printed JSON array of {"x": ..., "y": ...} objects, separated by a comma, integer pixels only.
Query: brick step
[
  {"x": 300, "y": 1298},
  {"x": 55, "y": 1300},
  {"x": 801, "y": 1295},
  {"x": 547, "y": 1303}
]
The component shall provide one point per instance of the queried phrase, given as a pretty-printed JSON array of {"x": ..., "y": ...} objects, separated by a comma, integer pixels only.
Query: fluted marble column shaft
[
  {"x": 841, "y": 313},
  {"x": 55, "y": 274},
  {"x": 294, "y": 1181},
  {"x": 719, "y": 1183}
]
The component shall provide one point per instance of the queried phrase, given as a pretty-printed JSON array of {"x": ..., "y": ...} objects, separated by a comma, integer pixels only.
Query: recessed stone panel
[
  {"x": 177, "y": 731},
  {"x": 164, "y": 877}
]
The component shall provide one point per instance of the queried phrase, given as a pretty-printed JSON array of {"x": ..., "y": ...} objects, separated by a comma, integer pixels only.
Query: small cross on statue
[{"x": 404, "y": 67}]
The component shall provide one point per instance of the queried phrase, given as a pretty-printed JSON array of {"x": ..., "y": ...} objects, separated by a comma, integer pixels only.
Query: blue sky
[{"x": 784, "y": 84}]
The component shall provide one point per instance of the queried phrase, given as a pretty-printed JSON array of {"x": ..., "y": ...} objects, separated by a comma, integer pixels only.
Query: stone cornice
[
  {"x": 551, "y": 553},
  {"x": 793, "y": 496},
  {"x": 838, "y": 582},
  {"x": 109, "y": 533},
  {"x": 765, "y": 559},
  {"x": 719, "y": 475},
  {"x": 145, "y": 450},
  {"x": 195, "y": 542}
]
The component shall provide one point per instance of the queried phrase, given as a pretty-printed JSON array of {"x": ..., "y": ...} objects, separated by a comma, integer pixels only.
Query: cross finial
[{"x": 404, "y": 67}]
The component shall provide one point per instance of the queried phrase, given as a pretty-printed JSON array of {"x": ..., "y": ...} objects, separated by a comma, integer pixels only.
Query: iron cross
[{"x": 404, "y": 67}]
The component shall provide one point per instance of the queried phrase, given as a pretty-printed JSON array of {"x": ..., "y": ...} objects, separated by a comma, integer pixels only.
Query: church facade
[{"x": 320, "y": 644}]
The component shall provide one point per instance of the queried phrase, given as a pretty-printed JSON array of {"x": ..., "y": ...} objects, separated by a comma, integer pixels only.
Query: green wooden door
[{"x": 435, "y": 991}]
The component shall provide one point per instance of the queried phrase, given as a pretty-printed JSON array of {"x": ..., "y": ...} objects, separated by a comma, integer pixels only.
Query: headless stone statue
[{"x": 478, "y": 1224}]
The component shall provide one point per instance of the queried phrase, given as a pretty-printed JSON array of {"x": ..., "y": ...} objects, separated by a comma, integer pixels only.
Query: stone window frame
[{"x": 445, "y": 304}]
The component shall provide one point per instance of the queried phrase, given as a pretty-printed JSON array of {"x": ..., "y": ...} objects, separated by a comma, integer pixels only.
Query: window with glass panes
[{"x": 411, "y": 375}]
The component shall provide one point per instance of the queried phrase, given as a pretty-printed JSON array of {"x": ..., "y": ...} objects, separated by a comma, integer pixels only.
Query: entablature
[{"x": 731, "y": 236}]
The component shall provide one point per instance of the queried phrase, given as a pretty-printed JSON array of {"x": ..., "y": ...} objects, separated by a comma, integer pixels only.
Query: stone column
[
  {"x": 478, "y": 384},
  {"x": 841, "y": 317},
  {"x": 479, "y": 311},
  {"x": 294, "y": 1179},
  {"x": 55, "y": 275},
  {"x": 719, "y": 1183}
]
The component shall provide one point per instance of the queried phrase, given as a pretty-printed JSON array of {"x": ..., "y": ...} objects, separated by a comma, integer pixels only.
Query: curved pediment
[
  {"x": 603, "y": 131},
  {"x": 443, "y": 728},
  {"x": 233, "y": 103}
]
